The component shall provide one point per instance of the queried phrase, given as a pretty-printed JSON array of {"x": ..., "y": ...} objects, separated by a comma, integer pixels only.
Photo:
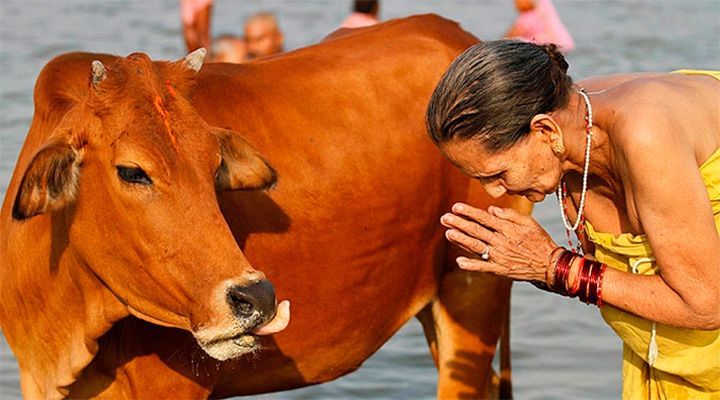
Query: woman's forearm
[{"x": 649, "y": 297}]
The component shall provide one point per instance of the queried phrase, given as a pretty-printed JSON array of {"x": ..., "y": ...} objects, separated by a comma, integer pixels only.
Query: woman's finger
[
  {"x": 476, "y": 214},
  {"x": 462, "y": 247},
  {"x": 471, "y": 228},
  {"x": 508, "y": 214},
  {"x": 467, "y": 243},
  {"x": 471, "y": 264}
]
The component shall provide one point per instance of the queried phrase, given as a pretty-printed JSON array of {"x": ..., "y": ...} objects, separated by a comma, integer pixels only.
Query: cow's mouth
[
  {"x": 246, "y": 342},
  {"x": 233, "y": 347}
]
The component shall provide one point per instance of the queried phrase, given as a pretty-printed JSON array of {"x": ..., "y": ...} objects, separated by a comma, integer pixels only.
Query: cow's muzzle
[
  {"x": 254, "y": 303},
  {"x": 255, "y": 313}
]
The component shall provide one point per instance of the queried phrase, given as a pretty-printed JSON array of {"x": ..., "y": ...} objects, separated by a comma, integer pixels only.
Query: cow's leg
[
  {"x": 464, "y": 321},
  {"x": 462, "y": 325}
]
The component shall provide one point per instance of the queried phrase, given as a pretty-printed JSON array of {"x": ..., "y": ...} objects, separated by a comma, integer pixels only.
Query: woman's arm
[
  {"x": 664, "y": 187},
  {"x": 666, "y": 199},
  {"x": 684, "y": 295}
]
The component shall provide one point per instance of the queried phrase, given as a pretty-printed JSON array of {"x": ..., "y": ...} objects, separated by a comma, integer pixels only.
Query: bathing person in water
[{"x": 538, "y": 22}]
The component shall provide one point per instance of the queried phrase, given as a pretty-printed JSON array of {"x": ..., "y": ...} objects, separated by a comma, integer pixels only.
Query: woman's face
[{"x": 529, "y": 168}]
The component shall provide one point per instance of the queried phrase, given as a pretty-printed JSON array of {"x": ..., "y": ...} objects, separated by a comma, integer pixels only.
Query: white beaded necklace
[{"x": 562, "y": 189}]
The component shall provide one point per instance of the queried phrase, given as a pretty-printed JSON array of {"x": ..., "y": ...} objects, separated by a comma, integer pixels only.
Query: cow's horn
[
  {"x": 99, "y": 72},
  {"x": 195, "y": 59}
]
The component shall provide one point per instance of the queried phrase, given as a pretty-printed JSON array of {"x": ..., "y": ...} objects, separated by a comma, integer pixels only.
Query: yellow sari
[
  {"x": 661, "y": 361},
  {"x": 714, "y": 74}
]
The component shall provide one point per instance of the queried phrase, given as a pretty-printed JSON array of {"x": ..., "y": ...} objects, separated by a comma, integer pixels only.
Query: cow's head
[{"x": 134, "y": 171}]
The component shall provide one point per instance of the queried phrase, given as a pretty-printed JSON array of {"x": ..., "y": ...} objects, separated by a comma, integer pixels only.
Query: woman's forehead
[{"x": 471, "y": 156}]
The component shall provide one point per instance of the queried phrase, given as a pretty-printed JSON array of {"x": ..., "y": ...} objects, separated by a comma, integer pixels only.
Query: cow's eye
[{"x": 133, "y": 175}]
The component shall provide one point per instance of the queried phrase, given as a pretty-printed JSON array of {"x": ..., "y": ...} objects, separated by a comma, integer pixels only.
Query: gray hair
[{"x": 493, "y": 90}]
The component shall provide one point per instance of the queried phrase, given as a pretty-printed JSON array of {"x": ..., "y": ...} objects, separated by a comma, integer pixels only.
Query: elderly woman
[{"x": 635, "y": 162}]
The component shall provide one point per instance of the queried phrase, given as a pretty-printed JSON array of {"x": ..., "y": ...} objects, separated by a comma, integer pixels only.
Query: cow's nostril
[
  {"x": 242, "y": 307},
  {"x": 241, "y": 302},
  {"x": 258, "y": 297}
]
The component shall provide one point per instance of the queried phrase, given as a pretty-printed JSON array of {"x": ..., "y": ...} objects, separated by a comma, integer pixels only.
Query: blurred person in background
[
  {"x": 195, "y": 15},
  {"x": 538, "y": 22},
  {"x": 364, "y": 14},
  {"x": 229, "y": 49},
  {"x": 262, "y": 35}
]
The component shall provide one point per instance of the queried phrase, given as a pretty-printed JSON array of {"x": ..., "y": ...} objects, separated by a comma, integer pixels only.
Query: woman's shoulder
[
  {"x": 602, "y": 83},
  {"x": 656, "y": 110},
  {"x": 630, "y": 101},
  {"x": 642, "y": 83}
]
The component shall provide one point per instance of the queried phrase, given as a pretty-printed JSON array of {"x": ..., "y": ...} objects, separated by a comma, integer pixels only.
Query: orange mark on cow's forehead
[
  {"x": 171, "y": 89},
  {"x": 160, "y": 107}
]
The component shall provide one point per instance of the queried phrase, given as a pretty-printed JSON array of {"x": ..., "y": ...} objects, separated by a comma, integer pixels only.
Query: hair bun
[{"x": 555, "y": 56}]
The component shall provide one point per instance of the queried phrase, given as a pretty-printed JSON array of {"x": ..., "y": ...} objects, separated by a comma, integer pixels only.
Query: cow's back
[{"x": 351, "y": 234}]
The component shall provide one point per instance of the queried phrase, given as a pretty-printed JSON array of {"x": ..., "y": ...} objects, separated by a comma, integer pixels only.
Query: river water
[{"x": 560, "y": 348}]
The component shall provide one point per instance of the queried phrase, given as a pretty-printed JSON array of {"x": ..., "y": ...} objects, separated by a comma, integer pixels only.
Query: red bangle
[
  {"x": 599, "y": 285},
  {"x": 588, "y": 280},
  {"x": 562, "y": 269},
  {"x": 550, "y": 267},
  {"x": 595, "y": 282},
  {"x": 583, "y": 292},
  {"x": 576, "y": 285},
  {"x": 591, "y": 288},
  {"x": 590, "y": 291}
]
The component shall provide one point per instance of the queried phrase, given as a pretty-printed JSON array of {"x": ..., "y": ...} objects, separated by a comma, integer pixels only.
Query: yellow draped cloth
[
  {"x": 661, "y": 361},
  {"x": 714, "y": 74}
]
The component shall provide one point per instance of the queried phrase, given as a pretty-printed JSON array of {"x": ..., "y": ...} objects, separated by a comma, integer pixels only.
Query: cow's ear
[
  {"x": 242, "y": 166},
  {"x": 50, "y": 181}
]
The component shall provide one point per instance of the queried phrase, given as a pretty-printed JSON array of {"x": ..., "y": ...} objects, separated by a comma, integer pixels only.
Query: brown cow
[
  {"x": 351, "y": 233},
  {"x": 115, "y": 169}
]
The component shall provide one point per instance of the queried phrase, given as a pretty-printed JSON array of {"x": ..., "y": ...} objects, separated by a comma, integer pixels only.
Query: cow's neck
[{"x": 87, "y": 309}]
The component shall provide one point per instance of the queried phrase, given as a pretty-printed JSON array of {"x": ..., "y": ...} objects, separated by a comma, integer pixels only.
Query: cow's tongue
[{"x": 278, "y": 323}]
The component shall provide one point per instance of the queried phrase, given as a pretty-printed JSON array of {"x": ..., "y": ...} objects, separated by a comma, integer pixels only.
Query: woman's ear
[{"x": 548, "y": 131}]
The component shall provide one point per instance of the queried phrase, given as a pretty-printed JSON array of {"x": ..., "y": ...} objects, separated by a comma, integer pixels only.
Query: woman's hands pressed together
[{"x": 518, "y": 246}]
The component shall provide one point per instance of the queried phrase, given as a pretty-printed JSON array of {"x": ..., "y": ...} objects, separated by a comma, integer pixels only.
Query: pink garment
[
  {"x": 358, "y": 20},
  {"x": 542, "y": 25},
  {"x": 189, "y": 8}
]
